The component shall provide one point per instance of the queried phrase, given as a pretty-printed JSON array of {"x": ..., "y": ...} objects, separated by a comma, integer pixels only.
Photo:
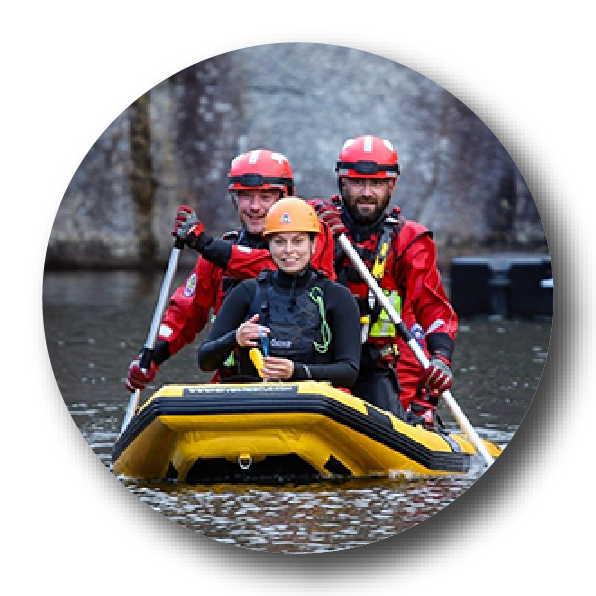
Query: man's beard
[{"x": 351, "y": 204}]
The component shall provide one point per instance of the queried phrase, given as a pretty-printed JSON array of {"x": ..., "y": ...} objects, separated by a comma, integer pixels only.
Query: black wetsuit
[{"x": 284, "y": 305}]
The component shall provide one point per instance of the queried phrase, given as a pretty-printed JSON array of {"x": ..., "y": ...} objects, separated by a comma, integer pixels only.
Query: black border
[{"x": 486, "y": 513}]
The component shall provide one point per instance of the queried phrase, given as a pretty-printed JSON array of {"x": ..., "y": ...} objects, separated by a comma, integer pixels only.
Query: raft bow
[{"x": 302, "y": 430}]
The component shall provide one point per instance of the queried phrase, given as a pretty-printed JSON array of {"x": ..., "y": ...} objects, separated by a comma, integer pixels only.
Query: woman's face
[{"x": 291, "y": 251}]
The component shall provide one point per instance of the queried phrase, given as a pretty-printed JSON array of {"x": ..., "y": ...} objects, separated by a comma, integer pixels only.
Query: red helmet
[
  {"x": 367, "y": 157},
  {"x": 261, "y": 168}
]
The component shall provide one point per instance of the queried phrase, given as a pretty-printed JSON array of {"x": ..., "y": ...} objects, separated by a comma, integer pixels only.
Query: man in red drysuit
[
  {"x": 402, "y": 256},
  {"x": 257, "y": 179}
]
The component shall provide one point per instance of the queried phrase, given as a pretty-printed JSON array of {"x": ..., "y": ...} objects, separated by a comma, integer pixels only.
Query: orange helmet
[
  {"x": 291, "y": 214},
  {"x": 261, "y": 168},
  {"x": 367, "y": 157}
]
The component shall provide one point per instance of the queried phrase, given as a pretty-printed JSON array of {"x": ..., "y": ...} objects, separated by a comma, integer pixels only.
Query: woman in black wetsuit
[{"x": 307, "y": 326}]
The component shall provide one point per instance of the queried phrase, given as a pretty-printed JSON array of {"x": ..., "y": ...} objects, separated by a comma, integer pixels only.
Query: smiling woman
[
  {"x": 292, "y": 251},
  {"x": 291, "y": 227},
  {"x": 306, "y": 326}
]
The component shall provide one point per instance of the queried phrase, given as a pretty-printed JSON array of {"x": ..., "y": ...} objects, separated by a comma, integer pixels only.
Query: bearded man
[{"x": 402, "y": 256}]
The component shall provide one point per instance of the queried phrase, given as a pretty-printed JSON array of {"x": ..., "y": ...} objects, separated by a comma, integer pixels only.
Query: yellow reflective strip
[
  {"x": 384, "y": 327},
  {"x": 379, "y": 267}
]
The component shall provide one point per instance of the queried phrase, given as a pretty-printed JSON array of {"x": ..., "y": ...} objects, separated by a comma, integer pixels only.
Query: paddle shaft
[
  {"x": 405, "y": 334},
  {"x": 147, "y": 351}
]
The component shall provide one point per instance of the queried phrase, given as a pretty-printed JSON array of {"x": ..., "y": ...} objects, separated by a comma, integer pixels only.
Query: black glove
[{"x": 189, "y": 229}]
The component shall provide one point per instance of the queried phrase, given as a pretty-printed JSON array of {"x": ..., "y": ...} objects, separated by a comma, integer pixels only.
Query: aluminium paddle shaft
[
  {"x": 147, "y": 351},
  {"x": 404, "y": 332}
]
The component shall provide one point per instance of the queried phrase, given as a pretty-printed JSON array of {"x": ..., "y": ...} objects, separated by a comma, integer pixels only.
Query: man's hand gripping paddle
[
  {"x": 147, "y": 351},
  {"x": 453, "y": 406}
]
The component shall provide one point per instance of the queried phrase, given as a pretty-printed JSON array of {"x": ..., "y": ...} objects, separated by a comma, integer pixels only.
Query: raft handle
[{"x": 244, "y": 461}]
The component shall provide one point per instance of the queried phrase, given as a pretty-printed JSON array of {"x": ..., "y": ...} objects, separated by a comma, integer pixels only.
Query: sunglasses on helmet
[
  {"x": 366, "y": 167},
  {"x": 256, "y": 180}
]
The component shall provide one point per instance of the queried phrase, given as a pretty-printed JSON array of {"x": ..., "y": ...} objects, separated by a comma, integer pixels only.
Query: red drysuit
[{"x": 412, "y": 282}]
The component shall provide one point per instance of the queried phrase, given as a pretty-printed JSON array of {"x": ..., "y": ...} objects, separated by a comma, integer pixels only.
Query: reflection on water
[
  {"x": 314, "y": 518},
  {"x": 96, "y": 322}
]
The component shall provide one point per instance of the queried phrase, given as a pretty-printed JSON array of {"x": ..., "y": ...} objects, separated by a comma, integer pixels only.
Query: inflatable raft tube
[{"x": 304, "y": 430}]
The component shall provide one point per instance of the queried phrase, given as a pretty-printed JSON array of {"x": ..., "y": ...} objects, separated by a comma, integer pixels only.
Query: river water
[{"x": 96, "y": 322}]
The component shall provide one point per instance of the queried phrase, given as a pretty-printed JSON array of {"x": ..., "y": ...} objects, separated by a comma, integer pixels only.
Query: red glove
[
  {"x": 187, "y": 227},
  {"x": 331, "y": 215},
  {"x": 438, "y": 376},
  {"x": 137, "y": 379}
]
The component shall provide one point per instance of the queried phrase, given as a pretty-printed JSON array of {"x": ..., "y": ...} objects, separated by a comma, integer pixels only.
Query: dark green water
[{"x": 96, "y": 322}]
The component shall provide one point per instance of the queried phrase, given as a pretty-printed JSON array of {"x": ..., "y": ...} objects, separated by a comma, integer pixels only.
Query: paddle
[
  {"x": 405, "y": 334},
  {"x": 147, "y": 351}
]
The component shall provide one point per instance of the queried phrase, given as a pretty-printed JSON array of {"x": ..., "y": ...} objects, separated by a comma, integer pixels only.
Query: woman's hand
[
  {"x": 277, "y": 368},
  {"x": 247, "y": 336},
  {"x": 248, "y": 333}
]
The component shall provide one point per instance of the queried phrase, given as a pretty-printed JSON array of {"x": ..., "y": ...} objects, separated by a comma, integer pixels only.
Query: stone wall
[{"x": 302, "y": 100}]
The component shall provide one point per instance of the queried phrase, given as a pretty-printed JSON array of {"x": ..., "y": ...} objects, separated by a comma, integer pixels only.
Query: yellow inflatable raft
[{"x": 302, "y": 430}]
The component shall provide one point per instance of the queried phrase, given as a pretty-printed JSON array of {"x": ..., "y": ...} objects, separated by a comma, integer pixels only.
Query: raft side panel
[{"x": 346, "y": 410}]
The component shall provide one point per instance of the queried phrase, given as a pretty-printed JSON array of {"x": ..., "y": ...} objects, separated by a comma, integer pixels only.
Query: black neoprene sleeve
[{"x": 343, "y": 318}]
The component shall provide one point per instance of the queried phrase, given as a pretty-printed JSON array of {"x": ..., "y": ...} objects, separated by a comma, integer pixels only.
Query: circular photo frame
[{"x": 481, "y": 516}]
